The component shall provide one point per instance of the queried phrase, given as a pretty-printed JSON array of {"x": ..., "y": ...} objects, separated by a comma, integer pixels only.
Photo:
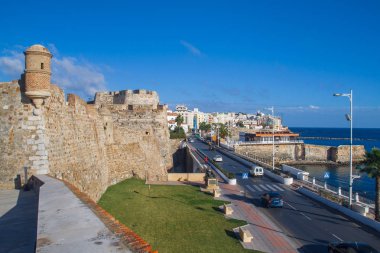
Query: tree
[
  {"x": 203, "y": 126},
  {"x": 240, "y": 124},
  {"x": 371, "y": 166},
  {"x": 179, "y": 120},
  {"x": 223, "y": 131}
]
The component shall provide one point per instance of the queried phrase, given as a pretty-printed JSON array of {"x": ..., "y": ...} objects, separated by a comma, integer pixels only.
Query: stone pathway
[
  {"x": 267, "y": 237},
  {"x": 66, "y": 224}
]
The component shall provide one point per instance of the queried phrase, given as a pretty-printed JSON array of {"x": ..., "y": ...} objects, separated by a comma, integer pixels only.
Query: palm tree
[
  {"x": 371, "y": 166},
  {"x": 179, "y": 120},
  {"x": 223, "y": 131}
]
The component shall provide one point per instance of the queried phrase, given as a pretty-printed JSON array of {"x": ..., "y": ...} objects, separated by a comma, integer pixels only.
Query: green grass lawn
[{"x": 172, "y": 218}]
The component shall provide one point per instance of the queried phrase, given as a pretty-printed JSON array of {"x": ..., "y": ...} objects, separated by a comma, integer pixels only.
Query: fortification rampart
[
  {"x": 89, "y": 145},
  {"x": 128, "y": 97},
  {"x": 303, "y": 152}
]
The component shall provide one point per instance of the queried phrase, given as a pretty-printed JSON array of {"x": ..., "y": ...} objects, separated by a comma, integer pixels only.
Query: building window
[{"x": 42, "y": 65}]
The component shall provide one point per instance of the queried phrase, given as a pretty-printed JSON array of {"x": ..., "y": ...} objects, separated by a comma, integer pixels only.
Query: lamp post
[
  {"x": 272, "y": 109},
  {"x": 218, "y": 141},
  {"x": 349, "y": 118}
]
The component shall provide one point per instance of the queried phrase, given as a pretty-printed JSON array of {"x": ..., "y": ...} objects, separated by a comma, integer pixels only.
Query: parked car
[
  {"x": 350, "y": 247},
  {"x": 218, "y": 158},
  {"x": 256, "y": 171},
  {"x": 272, "y": 199}
]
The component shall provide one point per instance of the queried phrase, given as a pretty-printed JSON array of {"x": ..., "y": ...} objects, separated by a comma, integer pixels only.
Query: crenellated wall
[{"x": 89, "y": 145}]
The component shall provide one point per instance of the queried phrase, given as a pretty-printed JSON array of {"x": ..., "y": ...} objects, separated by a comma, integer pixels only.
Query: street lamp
[
  {"x": 349, "y": 118},
  {"x": 218, "y": 141},
  {"x": 272, "y": 109}
]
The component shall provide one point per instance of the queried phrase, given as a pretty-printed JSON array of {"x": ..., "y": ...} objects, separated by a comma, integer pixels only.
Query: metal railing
[
  {"x": 337, "y": 191},
  {"x": 266, "y": 142}
]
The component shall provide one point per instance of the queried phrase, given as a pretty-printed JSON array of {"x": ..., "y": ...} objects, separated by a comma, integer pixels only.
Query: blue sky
[{"x": 214, "y": 55}]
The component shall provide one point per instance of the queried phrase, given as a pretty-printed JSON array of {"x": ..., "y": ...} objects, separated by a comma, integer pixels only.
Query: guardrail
[
  {"x": 266, "y": 142},
  {"x": 338, "y": 191}
]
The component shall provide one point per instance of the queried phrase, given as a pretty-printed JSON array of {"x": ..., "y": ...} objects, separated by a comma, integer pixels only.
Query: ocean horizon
[{"x": 339, "y": 174}]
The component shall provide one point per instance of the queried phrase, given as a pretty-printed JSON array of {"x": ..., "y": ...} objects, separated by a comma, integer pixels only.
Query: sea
[{"x": 339, "y": 174}]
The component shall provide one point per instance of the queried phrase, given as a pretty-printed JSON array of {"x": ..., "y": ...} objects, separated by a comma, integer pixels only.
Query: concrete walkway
[
  {"x": 18, "y": 221},
  {"x": 267, "y": 237},
  {"x": 65, "y": 224}
]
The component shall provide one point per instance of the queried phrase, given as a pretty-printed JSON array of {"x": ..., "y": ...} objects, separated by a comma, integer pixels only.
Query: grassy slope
[{"x": 172, "y": 218}]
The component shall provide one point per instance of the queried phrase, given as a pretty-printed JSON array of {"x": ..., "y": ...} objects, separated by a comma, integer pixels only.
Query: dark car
[
  {"x": 350, "y": 247},
  {"x": 272, "y": 199}
]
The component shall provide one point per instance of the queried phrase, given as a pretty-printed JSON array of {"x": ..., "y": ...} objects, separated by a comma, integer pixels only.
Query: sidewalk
[
  {"x": 267, "y": 237},
  {"x": 66, "y": 224}
]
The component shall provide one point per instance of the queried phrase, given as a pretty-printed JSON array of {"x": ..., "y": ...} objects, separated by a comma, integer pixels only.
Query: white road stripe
[
  {"x": 291, "y": 206},
  {"x": 257, "y": 188},
  {"x": 262, "y": 186},
  {"x": 307, "y": 217},
  {"x": 337, "y": 237},
  {"x": 250, "y": 188},
  {"x": 278, "y": 187},
  {"x": 273, "y": 189}
]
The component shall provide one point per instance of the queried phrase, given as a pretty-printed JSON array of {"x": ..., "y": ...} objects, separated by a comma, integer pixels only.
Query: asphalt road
[{"x": 311, "y": 225}]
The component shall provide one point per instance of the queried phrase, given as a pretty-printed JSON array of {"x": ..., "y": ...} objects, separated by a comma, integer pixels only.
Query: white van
[{"x": 256, "y": 171}]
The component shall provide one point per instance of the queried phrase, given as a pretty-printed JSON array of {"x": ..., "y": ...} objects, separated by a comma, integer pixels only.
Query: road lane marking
[
  {"x": 262, "y": 186},
  {"x": 337, "y": 237},
  {"x": 307, "y": 217},
  {"x": 257, "y": 188},
  {"x": 278, "y": 187},
  {"x": 291, "y": 206},
  {"x": 273, "y": 189},
  {"x": 249, "y": 187}
]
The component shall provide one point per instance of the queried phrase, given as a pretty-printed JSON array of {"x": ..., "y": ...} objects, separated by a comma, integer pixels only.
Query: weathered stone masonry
[{"x": 90, "y": 145}]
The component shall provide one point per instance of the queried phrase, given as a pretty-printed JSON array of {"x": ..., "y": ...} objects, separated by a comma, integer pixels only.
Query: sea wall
[
  {"x": 302, "y": 152},
  {"x": 284, "y": 152}
]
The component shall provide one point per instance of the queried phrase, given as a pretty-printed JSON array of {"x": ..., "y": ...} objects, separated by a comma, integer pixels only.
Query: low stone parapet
[
  {"x": 227, "y": 209},
  {"x": 245, "y": 235}
]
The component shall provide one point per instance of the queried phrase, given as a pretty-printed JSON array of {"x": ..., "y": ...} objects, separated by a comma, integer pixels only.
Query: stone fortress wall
[
  {"x": 303, "y": 152},
  {"x": 119, "y": 135}
]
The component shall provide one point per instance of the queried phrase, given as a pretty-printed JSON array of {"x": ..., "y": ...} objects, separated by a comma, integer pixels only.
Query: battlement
[{"x": 136, "y": 98}]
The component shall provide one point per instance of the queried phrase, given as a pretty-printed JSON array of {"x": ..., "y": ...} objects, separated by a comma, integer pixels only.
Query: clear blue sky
[{"x": 214, "y": 55}]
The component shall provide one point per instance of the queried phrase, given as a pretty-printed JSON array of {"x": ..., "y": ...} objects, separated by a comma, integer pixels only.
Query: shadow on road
[
  {"x": 18, "y": 226},
  {"x": 313, "y": 248}
]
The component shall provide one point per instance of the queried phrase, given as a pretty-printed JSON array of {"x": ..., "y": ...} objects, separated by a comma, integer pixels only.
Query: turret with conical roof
[{"x": 37, "y": 73}]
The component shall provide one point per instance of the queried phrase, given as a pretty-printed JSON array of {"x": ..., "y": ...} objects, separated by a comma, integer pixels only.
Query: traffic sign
[
  {"x": 245, "y": 175},
  {"x": 327, "y": 175}
]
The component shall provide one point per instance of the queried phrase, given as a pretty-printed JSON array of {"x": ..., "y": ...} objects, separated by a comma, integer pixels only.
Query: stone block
[
  {"x": 41, "y": 147},
  {"x": 30, "y": 141},
  {"x": 41, "y": 153},
  {"x": 228, "y": 209},
  {"x": 34, "y": 158},
  {"x": 34, "y": 118},
  {"x": 39, "y": 141},
  {"x": 245, "y": 235}
]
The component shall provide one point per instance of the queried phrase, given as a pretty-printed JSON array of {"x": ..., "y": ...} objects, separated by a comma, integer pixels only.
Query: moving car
[
  {"x": 218, "y": 158},
  {"x": 272, "y": 199},
  {"x": 256, "y": 171},
  {"x": 350, "y": 247}
]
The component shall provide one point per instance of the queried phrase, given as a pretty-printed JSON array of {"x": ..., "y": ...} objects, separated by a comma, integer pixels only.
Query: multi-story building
[{"x": 171, "y": 116}]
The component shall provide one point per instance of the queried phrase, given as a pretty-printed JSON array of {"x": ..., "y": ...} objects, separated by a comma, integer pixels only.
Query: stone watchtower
[{"x": 37, "y": 74}]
